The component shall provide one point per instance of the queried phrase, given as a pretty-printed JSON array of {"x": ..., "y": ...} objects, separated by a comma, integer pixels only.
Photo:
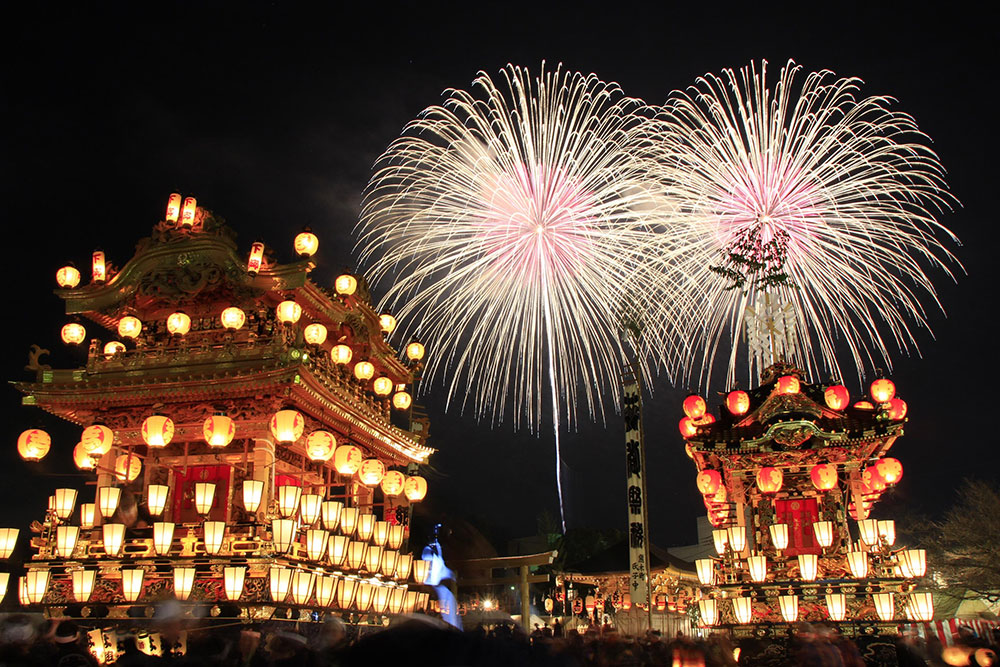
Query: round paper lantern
[
  {"x": 68, "y": 276},
  {"x": 889, "y": 469},
  {"x": 113, "y": 348},
  {"x": 347, "y": 459},
  {"x": 157, "y": 430},
  {"x": 287, "y": 425},
  {"x": 233, "y": 318},
  {"x": 738, "y": 402},
  {"x": 415, "y": 351},
  {"x": 288, "y": 312},
  {"x": 364, "y": 370},
  {"x": 371, "y": 472},
  {"x": 82, "y": 458},
  {"x": 306, "y": 244},
  {"x": 897, "y": 409},
  {"x": 179, "y": 323},
  {"x": 315, "y": 334},
  {"x": 346, "y": 284},
  {"x": 709, "y": 482},
  {"x": 824, "y": 476},
  {"x": 769, "y": 479},
  {"x": 694, "y": 406},
  {"x": 882, "y": 390},
  {"x": 387, "y": 323},
  {"x": 687, "y": 427},
  {"x": 788, "y": 384},
  {"x": 320, "y": 445},
  {"x": 127, "y": 467},
  {"x": 219, "y": 430},
  {"x": 129, "y": 327},
  {"x": 415, "y": 488},
  {"x": 393, "y": 482},
  {"x": 97, "y": 439},
  {"x": 33, "y": 444},
  {"x": 382, "y": 386},
  {"x": 341, "y": 354},
  {"x": 401, "y": 400},
  {"x": 837, "y": 397},
  {"x": 73, "y": 333},
  {"x": 873, "y": 479}
]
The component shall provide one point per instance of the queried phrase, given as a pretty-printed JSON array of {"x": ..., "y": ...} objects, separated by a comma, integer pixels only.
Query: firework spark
[
  {"x": 509, "y": 228},
  {"x": 806, "y": 195}
]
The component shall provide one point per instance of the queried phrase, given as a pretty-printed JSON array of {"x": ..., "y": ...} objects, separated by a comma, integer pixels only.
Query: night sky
[{"x": 272, "y": 115}]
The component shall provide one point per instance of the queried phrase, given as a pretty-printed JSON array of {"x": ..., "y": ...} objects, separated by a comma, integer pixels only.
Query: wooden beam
[
  {"x": 544, "y": 558},
  {"x": 464, "y": 582}
]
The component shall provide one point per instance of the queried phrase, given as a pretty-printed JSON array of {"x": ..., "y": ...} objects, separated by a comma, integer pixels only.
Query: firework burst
[{"x": 809, "y": 214}]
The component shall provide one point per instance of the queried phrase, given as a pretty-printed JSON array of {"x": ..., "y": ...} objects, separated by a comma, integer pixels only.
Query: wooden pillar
[
  {"x": 262, "y": 457},
  {"x": 525, "y": 601}
]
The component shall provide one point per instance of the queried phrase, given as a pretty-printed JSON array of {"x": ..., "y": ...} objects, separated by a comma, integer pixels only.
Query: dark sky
[{"x": 272, "y": 114}]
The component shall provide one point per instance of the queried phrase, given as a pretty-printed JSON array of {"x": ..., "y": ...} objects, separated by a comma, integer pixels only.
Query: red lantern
[
  {"x": 788, "y": 384},
  {"x": 706, "y": 419},
  {"x": 882, "y": 390},
  {"x": 688, "y": 427},
  {"x": 889, "y": 469},
  {"x": 837, "y": 397},
  {"x": 824, "y": 476},
  {"x": 738, "y": 402},
  {"x": 864, "y": 405},
  {"x": 694, "y": 406},
  {"x": 897, "y": 409},
  {"x": 769, "y": 479},
  {"x": 709, "y": 482},
  {"x": 873, "y": 479}
]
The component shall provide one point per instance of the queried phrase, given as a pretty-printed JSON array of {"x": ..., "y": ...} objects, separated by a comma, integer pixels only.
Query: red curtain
[{"x": 799, "y": 514}]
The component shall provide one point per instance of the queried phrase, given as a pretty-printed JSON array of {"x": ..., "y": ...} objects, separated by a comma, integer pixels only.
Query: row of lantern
[
  {"x": 873, "y": 533},
  {"x": 876, "y": 477},
  {"x": 836, "y": 397},
  {"x": 919, "y": 607}
]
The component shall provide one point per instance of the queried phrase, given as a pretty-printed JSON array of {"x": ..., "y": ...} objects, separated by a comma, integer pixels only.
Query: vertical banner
[{"x": 635, "y": 471}]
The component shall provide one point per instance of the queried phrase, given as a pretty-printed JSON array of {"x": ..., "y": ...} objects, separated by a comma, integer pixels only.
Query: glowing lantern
[
  {"x": 341, "y": 354},
  {"x": 326, "y": 588},
  {"x": 857, "y": 561},
  {"x": 113, "y": 535},
  {"x": 694, "y": 406},
  {"x": 889, "y": 469},
  {"x": 97, "y": 439},
  {"x": 393, "y": 483},
  {"x": 183, "y": 582},
  {"x": 132, "y": 583},
  {"x": 885, "y": 605},
  {"x": 66, "y": 537},
  {"x": 789, "y": 607},
  {"x": 371, "y": 472},
  {"x": 338, "y": 549},
  {"x": 399, "y": 594},
  {"x": 738, "y": 402},
  {"x": 779, "y": 535},
  {"x": 824, "y": 533},
  {"x": 173, "y": 207},
  {"x": 415, "y": 351},
  {"x": 364, "y": 370},
  {"x": 68, "y": 276},
  {"x": 742, "y": 609},
  {"x": 129, "y": 327},
  {"x": 387, "y": 323},
  {"x": 288, "y": 499},
  {"x": 897, "y": 409},
  {"x": 314, "y": 334},
  {"x": 737, "y": 538},
  {"x": 188, "y": 211},
  {"x": 366, "y": 526},
  {"x": 808, "y": 566},
  {"x": 721, "y": 538},
  {"x": 706, "y": 571},
  {"x": 757, "y": 566},
  {"x": 288, "y": 312},
  {"x": 280, "y": 580},
  {"x": 687, "y": 427},
  {"x": 872, "y": 479},
  {"x": 316, "y": 543},
  {"x": 73, "y": 333},
  {"x": 320, "y": 446},
  {"x": 823, "y": 476},
  {"x": 302, "y": 586},
  {"x": 395, "y": 536},
  {"x": 985, "y": 656},
  {"x": 33, "y": 444},
  {"x": 232, "y": 579},
  {"x": 421, "y": 568},
  {"x": 83, "y": 584},
  {"x": 382, "y": 386},
  {"x": 415, "y": 488},
  {"x": 107, "y": 500},
  {"x": 233, "y": 318},
  {"x": 363, "y": 597},
  {"x": 882, "y": 390},
  {"x": 256, "y": 260},
  {"x": 920, "y": 608},
  {"x": 179, "y": 323},
  {"x": 373, "y": 559},
  {"x": 219, "y": 430},
  {"x": 709, "y": 482},
  {"x": 346, "y": 284},
  {"x": 588, "y": 604},
  {"x": 348, "y": 520},
  {"x": 887, "y": 531},
  {"x": 836, "y": 605},
  {"x": 98, "y": 267},
  {"x": 253, "y": 492},
  {"x": 215, "y": 532},
  {"x": 113, "y": 348},
  {"x": 403, "y": 566},
  {"x": 37, "y": 582},
  {"x": 864, "y": 405},
  {"x": 287, "y": 425},
  {"x": 309, "y": 504},
  {"x": 381, "y": 599},
  {"x": 157, "y": 430},
  {"x": 87, "y": 513},
  {"x": 769, "y": 480},
  {"x": 788, "y": 384},
  {"x": 204, "y": 497},
  {"x": 345, "y": 596},
  {"x": 868, "y": 530},
  {"x": 913, "y": 563},
  {"x": 127, "y": 467},
  {"x": 306, "y": 244},
  {"x": 163, "y": 537},
  {"x": 401, "y": 400},
  {"x": 837, "y": 397},
  {"x": 330, "y": 512},
  {"x": 65, "y": 502},
  {"x": 709, "y": 609}
]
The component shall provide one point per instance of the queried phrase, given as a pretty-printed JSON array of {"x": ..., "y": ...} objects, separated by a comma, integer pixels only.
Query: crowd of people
[{"x": 420, "y": 640}]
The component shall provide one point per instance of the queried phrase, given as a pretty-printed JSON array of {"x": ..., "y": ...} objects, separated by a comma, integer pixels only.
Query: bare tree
[{"x": 965, "y": 549}]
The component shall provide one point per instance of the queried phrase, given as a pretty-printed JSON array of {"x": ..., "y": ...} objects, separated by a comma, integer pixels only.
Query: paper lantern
[
  {"x": 302, "y": 586},
  {"x": 132, "y": 583},
  {"x": 183, "y": 582},
  {"x": 37, "y": 583},
  {"x": 215, "y": 533},
  {"x": 282, "y": 534},
  {"x": 415, "y": 488},
  {"x": 913, "y": 562},
  {"x": 345, "y": 284},
  {"x": 403, "y": 566},
  {"x": 232, "y": 579},
  {"x": 33, "y": 444},
  {"x": 366, "y": 526},
  {"x": 389, "y": 560},
  {"x": 401, "y": 400},
  {"x": 129, "y": 327},
  {"x": 897, "y": 409},
  {"x": 363, "y": 596},
  {"x": 769, "y": 479},
  {"x": 857, "y": 561},
  {"x": 127, "y": 467},
  {"x": 83, "y": 584},
  {"x": 337, "y": 549},
  {"x": 837, "y": 397},
  {"x": 233, "y": 318},
  {"x": 836, "y": 606},
  {"x": 309, "y": 505},
  {"x": 314, "y": 334},
  {"x": 373, "y": 559},
  {"x": 87, "y": 513},
  {"x": 98, "y": 267},
  {"x": 868, "y": 530},
  {"x": 345, "y": 596},
  {"x": 694, "y": 406},
  {"x": 382, "y": 386},
  {"x": 738, "y": 402},
  {"x": 157, "y": 430},
  {"x": 415, "y": 351},
  {"x": 823, "y": 476},
  {"x": 395, "y": 536},
  {"x": 326, "y": 589},
  {"x": 68, "y": 277},
  {"x": 66, "y": 538},
  {"x": 65, "y": 502},
  {"x": 280, "y": 581},
  {"x": 219, "y": 430},
  {"x": 73, "y": 333},
  {"x": 253, "y": 493},
  {"x": 708, "y": 482},
  {"x": 330, "y": 513},
  {"x": 288, "y": 312},
  {"x": 320, "y": 445},
  {"x": 737, "y": 538},
  {"x": 885, "y": 606},
  {"x": 920, "y": 607},
  {"x": 256, "y": 260},
  {"x": 364, "y": 370},
  {"x": 288, "y": 499},
  {"x": 341, "y": 354},
  {"x": 824, "y": 533},
  {"x": 721, "y": 538},
  {"x": 348, "y": 520},
  {"x": 316, "y": 543},
  {"x": 163, "y": 537},
  {"x": 889, "y": 469},
  {"x": 371, "y": 472},
  {"x": 82, "y": 458},
  {"x": 287, "y": 425},
  {"x": 113, "y": 536},
  {"x": 872, "y": 479},
  {"x": 808, "y": 567},
  {"x": 788, "y": 384},
  {"x": 864, "y": 405},
  {"x": 789, "y": 605},
  {"x": 742, "y": 609},
  {"x": 706, "y": 571},
  {"x": 421, "y": 568},
  {"x": 97, "y": 439},
  {"x": 188, "y": 211},
  {"x": 887, "y": 531},
  {"x": 387, "y": 323},
  {"x": 204, "y": 497},
  {"x": 398, "y": 595},
  {"x": 393, "y": 483},
  {"x": 179, "y": 323},
  {"x": 306, "y": 244},
  {"x": 709, "y": 609},
  {"x": 882, "y": 390},
  {"x": 687, "y": 427},
  {"x": 113, "y": 348},
  {"x": 757, "y": 567}
]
